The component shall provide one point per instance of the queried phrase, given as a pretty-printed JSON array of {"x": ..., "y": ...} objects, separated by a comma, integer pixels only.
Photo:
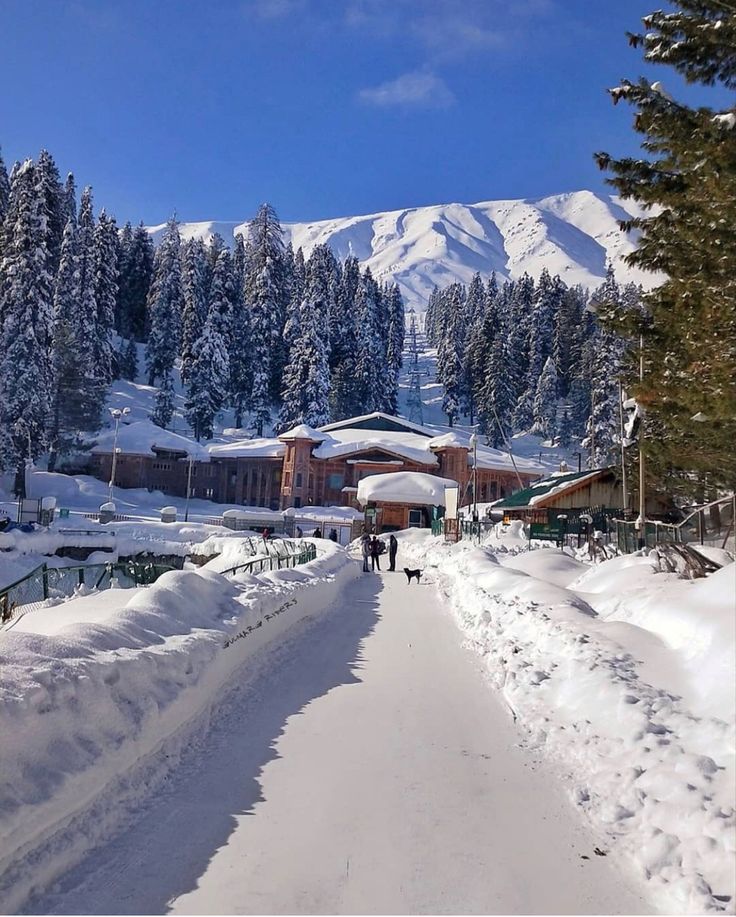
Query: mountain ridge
[{"x": 574, "y": 234}]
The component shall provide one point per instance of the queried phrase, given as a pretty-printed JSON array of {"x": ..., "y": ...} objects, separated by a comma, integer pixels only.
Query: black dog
[{"x": 410, "y": 574}]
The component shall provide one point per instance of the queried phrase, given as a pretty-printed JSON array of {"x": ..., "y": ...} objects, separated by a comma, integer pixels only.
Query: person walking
[
  {"x": 366, "y": 549},
  {"x": 393, "y": 547},
  {"x": 375, "y": 554},
  {"x": 333, "y": 535}
]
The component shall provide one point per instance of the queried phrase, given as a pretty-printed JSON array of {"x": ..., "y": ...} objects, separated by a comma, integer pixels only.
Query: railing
[
  {"x": 35, "y": 589},
  {"x": 629, "y": 538},
  {"x": 45, "y": 583},
  {"x": 296, "y": 553},
  {"x": 712, "y": 523}
]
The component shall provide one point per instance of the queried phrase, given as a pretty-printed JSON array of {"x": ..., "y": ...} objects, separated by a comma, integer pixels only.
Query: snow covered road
[{"x": 365, "y": 767}]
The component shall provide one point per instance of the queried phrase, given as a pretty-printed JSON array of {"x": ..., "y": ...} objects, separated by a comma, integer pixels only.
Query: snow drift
[
  {"x": 618, "y": 703},
  {"x": 97, "y": 712}
]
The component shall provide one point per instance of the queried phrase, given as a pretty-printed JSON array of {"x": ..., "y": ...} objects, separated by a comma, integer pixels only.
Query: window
[
  {"x": 415, "y": 518},
  {"x": 209, "y": 493},
  {"x": 335, "y": 481},
  {"x": 298, "y": 481},
  {"x": 297, "y": 502},
  {"x": 287, "y": 479}
]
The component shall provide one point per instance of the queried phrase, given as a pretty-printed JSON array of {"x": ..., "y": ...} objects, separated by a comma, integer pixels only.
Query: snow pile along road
[
  {"x": 98, "y": 712},
  {"x": 619, "y": 705}
]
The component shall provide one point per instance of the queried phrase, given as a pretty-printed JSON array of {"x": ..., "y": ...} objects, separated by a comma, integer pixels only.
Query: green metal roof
[{"x": 522, "y": 498}]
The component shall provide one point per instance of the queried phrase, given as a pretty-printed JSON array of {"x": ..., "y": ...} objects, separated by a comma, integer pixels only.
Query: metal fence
[
  {"x": 711, "y": 523},
  {"x": 35, "y": 589},
  {"x": 45, "y": 583},
  {"x": 281, "y": 555}
]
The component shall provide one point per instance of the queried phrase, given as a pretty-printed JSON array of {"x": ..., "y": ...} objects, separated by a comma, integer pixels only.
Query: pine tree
[
  {"x": 106, "y": 289},
  {"x": 70, "y": 198},
  {"x": 209, "y": 372},
  {"x": 496, "y": 396},
  {"x": 125, "y": 243},
  {"x": 545, "y": 402},
  {"x": 54, "y": 204},
  {"x": 164, "y": 306},
  {"x": 266, "y": 297},
  {"x": 305, "y": 395},
  {"x": 128, "y": 361},
  {"x": 394, "y": 355},
  {"x": 369, "y": 367},
  {"x": 346, "y": 392},
  {"x": 450, "y": 349},
  {"x": 134, "y": 284},
  {"x": 519, "y": 299},
  {"x": 77, "y": 392},
  {"x": 564, "y": 431},
  {"x": 163, "y": 409},
  {"x": 431, "y": 317},
  {"x": 194, "y": 310},
  {"x": 85, "y": 299},
  {"x": 4, "y": 194},
  {"x": 603, "y": 425},
  {"x": 27, "y": 318},
  {"x": 239, "y": 342},
  {"x": 687, "y": 185}
]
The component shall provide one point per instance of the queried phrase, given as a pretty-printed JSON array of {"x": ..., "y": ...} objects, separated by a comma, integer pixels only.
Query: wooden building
[{"x": 303, "y": 467}]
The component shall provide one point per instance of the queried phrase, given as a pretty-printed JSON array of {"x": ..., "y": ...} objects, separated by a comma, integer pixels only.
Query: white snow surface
[
  {"x": 362, "y": 767},
  {"x": 404, "y": 487},
  {"x": 574, "y": 235},
  {"x": 91, "y": 704},
  {"x": 625, "y": 677}
]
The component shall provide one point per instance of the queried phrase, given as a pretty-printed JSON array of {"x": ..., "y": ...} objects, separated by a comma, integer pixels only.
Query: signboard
[
  {"x": 544, "y": 531},
  {"x": 451, "y": 500}
]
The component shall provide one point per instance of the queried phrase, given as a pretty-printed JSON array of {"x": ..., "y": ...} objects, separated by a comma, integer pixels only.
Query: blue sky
[{"x": 322, "y": 108}]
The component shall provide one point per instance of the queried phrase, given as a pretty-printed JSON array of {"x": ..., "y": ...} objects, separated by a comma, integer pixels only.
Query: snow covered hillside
[{"x": 573, "y": 235}]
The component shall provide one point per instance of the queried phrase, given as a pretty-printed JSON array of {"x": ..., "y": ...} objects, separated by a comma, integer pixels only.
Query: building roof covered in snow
[
  {"x": 539, "y": 494},
  {"x": 404, "y": 487},
  {"x": 350, "y": 441},
  {"x": 145, "y": 438},
  {"x": 302, "y": 431},
  {"x": 248, "y": 448}
]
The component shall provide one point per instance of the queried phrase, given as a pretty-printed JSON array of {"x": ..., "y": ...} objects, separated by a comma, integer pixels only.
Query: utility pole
[
  {"x": 642, "y": 483},
  {"x": 625, "y": 495}
]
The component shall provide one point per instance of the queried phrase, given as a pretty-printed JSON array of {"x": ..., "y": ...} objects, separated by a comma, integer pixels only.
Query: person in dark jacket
[
  {"x": 393, "y": 547},
  {"x": 317, "y": 534},
  {"x": 375, "y": 553},
  {"x": 333, "y": 534}
]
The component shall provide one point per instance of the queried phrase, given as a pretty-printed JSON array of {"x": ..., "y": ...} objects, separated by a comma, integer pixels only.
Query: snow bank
[
  {"x": 695, "y": 620},
  {"x": 98, "y": 711},
  {"x": 649, "y": 768}
]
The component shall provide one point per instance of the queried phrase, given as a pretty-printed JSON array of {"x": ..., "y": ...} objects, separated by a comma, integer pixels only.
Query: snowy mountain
[{"x": 573, "y": 234}]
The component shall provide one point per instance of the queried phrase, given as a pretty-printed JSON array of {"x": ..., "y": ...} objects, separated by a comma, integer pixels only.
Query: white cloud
[
  {"x": 421, "y": 89},
  {"x": 274, "y": 9}
]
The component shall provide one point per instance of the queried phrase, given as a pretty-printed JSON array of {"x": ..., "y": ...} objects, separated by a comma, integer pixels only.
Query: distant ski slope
[{"x": 573, "y": 234}]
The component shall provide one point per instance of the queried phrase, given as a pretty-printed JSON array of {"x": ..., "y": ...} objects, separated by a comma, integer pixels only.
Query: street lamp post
[
  {"x": 117, "y": 414},
  {"x": 474, "y": 445},
  {"x": 642, "y": 520},
  {"x": 189, "y": 487}
]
